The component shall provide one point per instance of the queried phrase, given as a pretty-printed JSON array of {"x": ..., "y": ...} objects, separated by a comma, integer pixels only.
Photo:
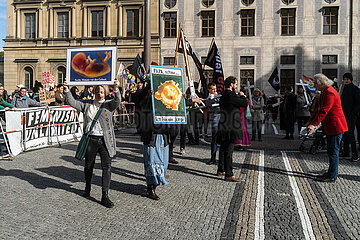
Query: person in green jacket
[{"x": 4, "y": 105}]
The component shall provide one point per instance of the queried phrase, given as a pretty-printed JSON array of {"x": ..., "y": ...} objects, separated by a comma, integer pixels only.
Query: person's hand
[
  {"x": 66, "y": 87},
  {"x": 151, "y": 92},
  {"x": 241, "y": 93},
  {"x": 310, "y": 129},
  {"x": 7, "y": 109},
  {"x": 116, "y": 85},
  {"x": 184, "y": 95},
  {"x": 196, "y": 100}
]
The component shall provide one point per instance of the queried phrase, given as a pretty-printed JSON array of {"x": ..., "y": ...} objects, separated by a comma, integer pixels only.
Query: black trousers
[
  {"x": 349, "y": 137},
  {"x": 97, "y": 145},
  {"x": 226, "y": 158},
  {"x": 301, "y": 121}
]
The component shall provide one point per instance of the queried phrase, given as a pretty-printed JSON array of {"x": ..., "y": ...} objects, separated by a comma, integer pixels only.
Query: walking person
[
  {"x": 155, "y": 147},
  {"x": 287, "y": 113},
  {"x": 330, "y": 113},
  {"x": 257, "y": 113},
  {"x": 102, "y": 136},
  {"x": 229, "y": 127},
  {"x": 302, "y": 109},
  {"x": 350, "y": 102}
]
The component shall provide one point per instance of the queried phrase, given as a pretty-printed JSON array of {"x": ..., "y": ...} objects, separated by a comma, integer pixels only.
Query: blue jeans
[
  {"x": 333, "y": 148},
  {"x": 214, "y": 123}
]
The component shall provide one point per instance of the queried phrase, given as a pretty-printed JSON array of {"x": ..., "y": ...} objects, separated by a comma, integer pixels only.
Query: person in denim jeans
[
  {"x": 330, "y": 113},
  {"x": 212, "y": 101}
]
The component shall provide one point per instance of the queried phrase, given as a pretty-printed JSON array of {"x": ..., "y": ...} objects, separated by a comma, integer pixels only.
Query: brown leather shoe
[
  {"x": 232, "y": 179},
  {"x": 221, "y": 173}
]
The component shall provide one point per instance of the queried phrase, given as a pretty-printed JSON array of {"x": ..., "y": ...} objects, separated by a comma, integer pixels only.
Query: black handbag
[{"x": 85, "y": 139}]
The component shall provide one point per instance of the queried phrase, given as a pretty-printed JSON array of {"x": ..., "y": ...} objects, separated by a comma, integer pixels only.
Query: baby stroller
[{"x": 317, "y": 139}]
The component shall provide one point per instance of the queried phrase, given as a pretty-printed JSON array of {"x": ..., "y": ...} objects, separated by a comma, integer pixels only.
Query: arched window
[
  {"x": 170, "y": 3},
  {"x": 61, "y": 74},
  {"x": 207, "y": 3},
  {"x": 29, "y": 77},
  {"x": 247, "y": 2},
  {"x": 287, "y": 2}
]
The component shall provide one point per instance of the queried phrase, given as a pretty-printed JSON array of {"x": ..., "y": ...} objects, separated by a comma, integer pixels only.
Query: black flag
[
  {"x": 137, "y": 69},
  {"x": 198, "y": 65},
  {"x": 213, "y": 60},
  {"x": 274, "y": 79}
]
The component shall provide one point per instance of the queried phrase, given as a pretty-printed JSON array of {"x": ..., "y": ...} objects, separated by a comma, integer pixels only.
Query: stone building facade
[
  {"x": 40, "y": 31},
  {"x": 255, "y": 36}
]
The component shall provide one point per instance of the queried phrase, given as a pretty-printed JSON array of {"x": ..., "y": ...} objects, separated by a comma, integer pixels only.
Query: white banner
[{"x": 33, "y": 128}]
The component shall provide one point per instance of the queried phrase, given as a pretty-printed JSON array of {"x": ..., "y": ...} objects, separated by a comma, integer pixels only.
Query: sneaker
[
  {"x": 182, "y": 151},
  {"x": 354, "y": 158}
]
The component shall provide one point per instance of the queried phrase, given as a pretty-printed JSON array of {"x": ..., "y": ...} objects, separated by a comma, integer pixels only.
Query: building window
[
  {"x": 29, "y": 77},
  {"x": 287, "y": 59},
  {"x": 330, "y": 1},
  {"x": 61, "y": 74},
  {"x": 245, "y": 76},
  {"x": 169, "y": 61},
  {"x": 330, "y": 20},
  {"x": 287, "y": 78},
  {"x": 30, "y": 25},
  {"x": 63, "y": 25},
  {"x": 209, "y": 75},
  {"x": 207, "y": 3},
  {"x": 170, "y": 23},
  {"x": 170, "y": 3},
  {"x": 330, "y": 73},
  {"x": 329, "y": 59},
  {"x": 97, "y": 24},
  {"x": 288, "y": 21},
  {"x": 287, "y": 2},
  {"x": 246, "y": 60},
  {"x": 247, "y": 22},
  {"x": 247, "y": 2},
  {"x": 132, "y": 22},
  {"x": 208, "y": 23}
]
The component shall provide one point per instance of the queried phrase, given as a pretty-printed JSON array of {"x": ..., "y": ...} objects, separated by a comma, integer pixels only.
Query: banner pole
[{"x": 177, "y": 45}]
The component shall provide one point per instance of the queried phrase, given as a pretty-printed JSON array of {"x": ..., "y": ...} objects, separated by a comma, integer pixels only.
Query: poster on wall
[
  {"x": 91, "y": 66},
  {"x": 168, "y": 101}
]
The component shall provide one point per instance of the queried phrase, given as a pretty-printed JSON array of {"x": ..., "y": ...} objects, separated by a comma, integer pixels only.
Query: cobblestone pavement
[{"x": 277, "y": 197}]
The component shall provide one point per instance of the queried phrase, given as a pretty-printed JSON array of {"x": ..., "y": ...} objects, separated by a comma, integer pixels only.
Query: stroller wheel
[
  {"x": 301, "y": 148},
  {"x": 312, "y": 150}
]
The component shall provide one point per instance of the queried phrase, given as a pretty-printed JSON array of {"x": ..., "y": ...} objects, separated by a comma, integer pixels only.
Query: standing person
[
  {"x": 330, "y": 113},
  {"x": 273, "y": 107},
  {"x": 257, "y": 114},
  {"x": 287, "y": 111},
  {"x": 138, "y": 103},
  {"x": 155, "y": 148},
  {"x": 245, "y": 142},
  {"x": 102, "y": 136},
  {"x": 88, "y": 94},
  {"x": 302, "y": 109},
  {"x": 22, "y": 100},
  {"x": 212, "y": 101},
  {"x": 75, "y": 92},
  {"x": 59, "y": 95},
  {"x": 350, "y": 102},
  {"x": 229, "y": 127}
]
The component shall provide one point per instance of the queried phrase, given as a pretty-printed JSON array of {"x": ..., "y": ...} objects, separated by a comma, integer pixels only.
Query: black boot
[
  {"x": 105, "y": 201},
  {"x": 150, "y": 192},
  {"x": 87, "y": 190}
]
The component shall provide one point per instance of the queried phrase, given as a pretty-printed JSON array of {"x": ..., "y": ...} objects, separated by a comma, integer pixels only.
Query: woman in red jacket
[{"x": 330, "y": 113}]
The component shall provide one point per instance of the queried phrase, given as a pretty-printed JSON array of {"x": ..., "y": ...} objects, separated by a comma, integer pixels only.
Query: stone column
[
  {"x": 51, "y": 23},
  {"x": 73, "y": 21},
  {"x": 85, "y": 22},
  {"x": 108, "y": 21},
  {"x": 18, "y": 20}
]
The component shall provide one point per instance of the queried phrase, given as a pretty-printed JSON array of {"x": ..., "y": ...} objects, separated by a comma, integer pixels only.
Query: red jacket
[{"x": 330, "y": 113}]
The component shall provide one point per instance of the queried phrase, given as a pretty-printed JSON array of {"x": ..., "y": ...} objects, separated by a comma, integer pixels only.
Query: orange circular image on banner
[{"x": 169, "y": 94}]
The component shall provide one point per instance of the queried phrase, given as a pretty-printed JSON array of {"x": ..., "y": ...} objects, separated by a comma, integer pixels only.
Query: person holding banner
[
  {"x": 22, "y": 100},
  {"x": 102, "y": 136},
  {"x": 229, "y": 127}
]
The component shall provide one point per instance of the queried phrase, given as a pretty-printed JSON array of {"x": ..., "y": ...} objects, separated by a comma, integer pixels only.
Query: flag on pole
[
  {"x": 137, "y": 69},
  {"x": 274, "y": 79},
  {"x": 309, "y": 84},
  {"x": 213, "y": 60},
  {"x": 198, "y": 65},
  {"x": 123, "y": 72}
]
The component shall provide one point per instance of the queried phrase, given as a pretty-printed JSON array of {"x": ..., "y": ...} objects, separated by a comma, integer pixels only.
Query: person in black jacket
[
  {"x": 229, "y": 127},
  {"x": 350, "y": 102},
  {"x": 288, "y": 113}
]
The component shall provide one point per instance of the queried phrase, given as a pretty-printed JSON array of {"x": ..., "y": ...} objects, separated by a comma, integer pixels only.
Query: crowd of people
[{"x": 226, "y": 114}]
